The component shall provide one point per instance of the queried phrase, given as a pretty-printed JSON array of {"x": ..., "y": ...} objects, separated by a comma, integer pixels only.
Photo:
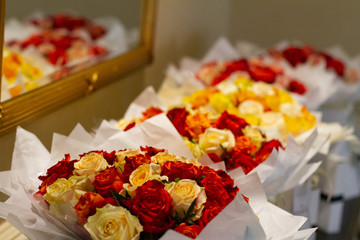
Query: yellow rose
[
  {"x": 261, "y": 89},
  {"x": 212, "y": 138},
  {"x": 162, "y": 157},
  {"x": 251, "y": 107},
  {"x": 145, "y": 173},
  {"x": 220, "y": 102},
  {"x": 113, "y": 223},
  {"x": 183, "y": 193},
  {"x": 255, "y": 135},
  {"x": 243, "y": 83},
  {"x": 90, "y": 163},
  {"x": 194, "y": 148},
  {"x": 285, "y": 97}
]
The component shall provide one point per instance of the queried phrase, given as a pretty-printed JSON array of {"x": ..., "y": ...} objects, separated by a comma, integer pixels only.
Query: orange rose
[
  {"x": 191, "y": 231},
  {"x": 196, "y": 124}
]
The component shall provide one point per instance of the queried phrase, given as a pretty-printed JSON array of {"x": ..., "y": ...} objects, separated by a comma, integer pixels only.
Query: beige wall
[{"x": 322, "y": 23}]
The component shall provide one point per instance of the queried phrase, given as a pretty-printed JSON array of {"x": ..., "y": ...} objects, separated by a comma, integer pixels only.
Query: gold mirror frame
[{"x": 42, "y": 100}]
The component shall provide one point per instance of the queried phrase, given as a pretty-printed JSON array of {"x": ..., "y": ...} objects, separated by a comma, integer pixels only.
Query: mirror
[{"x": 53, "y": 55}]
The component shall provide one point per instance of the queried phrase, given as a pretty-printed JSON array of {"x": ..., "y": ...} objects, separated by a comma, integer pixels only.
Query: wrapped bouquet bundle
[
  {"x": 138, "y": 193},
  {"x": 19, "y": 74},
  {"x": 332, "y": 70},
  {"x": 214, "y": 126},
  {"x": 63, "y": 43}
]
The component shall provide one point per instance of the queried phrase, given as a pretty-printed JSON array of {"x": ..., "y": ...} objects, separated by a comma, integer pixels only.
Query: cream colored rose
[
  {"x": 113, "y": 223},
  {"x": 123, "y": 123},
  {"x": 291, "y": 109},
  {"x": 60, "y": 191},
  {"x": 162, "y": 157},
  {"x": 128, "y": 189},
  {"x": 145, "y": 173},
  {"x": 90, "y": 163},
  {"x": 183, "y": 193},
  {"x": 227, "y": 87},
  {"x": 251, "y": 107},
  {"x": 81, "y": 185},
  {"x": 273, "y": 125},
  {"x": 261, "y": 89},
  {"x": 271, "y": 119},
  {"x": 255, "y": 135},
  {"x": 212, "y": 138}
]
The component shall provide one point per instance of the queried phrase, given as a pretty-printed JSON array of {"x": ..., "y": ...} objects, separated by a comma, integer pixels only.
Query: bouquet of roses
[
  {"x": 13, "y": 82},
  {"x": 213, "y": 73},
  {"x": 147, "y": 190},
  {"x": 332, "y": 70},
  {"x": 230, "y": 138},
  {"x": 63, "y": 43},
  {"x": 126, "y": 192}
]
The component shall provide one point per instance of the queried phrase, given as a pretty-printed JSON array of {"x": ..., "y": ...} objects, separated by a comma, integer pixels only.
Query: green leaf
[
  {"x": 170, "y": 117},
  {"x": 191, "y": 209},
  {"x": 165, "y": 181},
  {"x": 115, "y": 196},
  {"x": 198, "y": 180},
  {"x": 176, "y": 179}
]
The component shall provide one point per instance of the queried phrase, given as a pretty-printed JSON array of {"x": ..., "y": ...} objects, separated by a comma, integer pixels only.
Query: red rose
[
  {"x": 239, "y": 159},
  {"x": 63, "y": 169},
  {"x": 62, "y": 43},
  {"x": 95, "y": 31},
  {"x": 264, "y": 74},
  {"x": 153, "y": 205},
  {"x": 295, "y": 55},
  {"x": 88, "y": 203},
  {"x": 191, "y": 231},
  {"x": 151, "y": 151},
  {"x": 57, "y": 57},
  {"x": 214, "y": 157},
  {"x": 35, "y": 40},
  {"x": 239, "y": 65},
  {"x": 266, "y": 149},
  {"x": 296, "y": 87},
  {"x": 150, "y": 112},
  {"x": 222, "y": 177},
  {"x": 335, "y": 64},
  {"x": 108, "y": 180},
  {"x": 97, "y": 50},
  {"x": 209, "y": 213},
  {"x": 215, "y": 192},
  {"x": 231, "y": 122},
  {"x": 130, "y": 126},
  {"x": 180, "y": 170},
  {"x": 177, "y": 117}
]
